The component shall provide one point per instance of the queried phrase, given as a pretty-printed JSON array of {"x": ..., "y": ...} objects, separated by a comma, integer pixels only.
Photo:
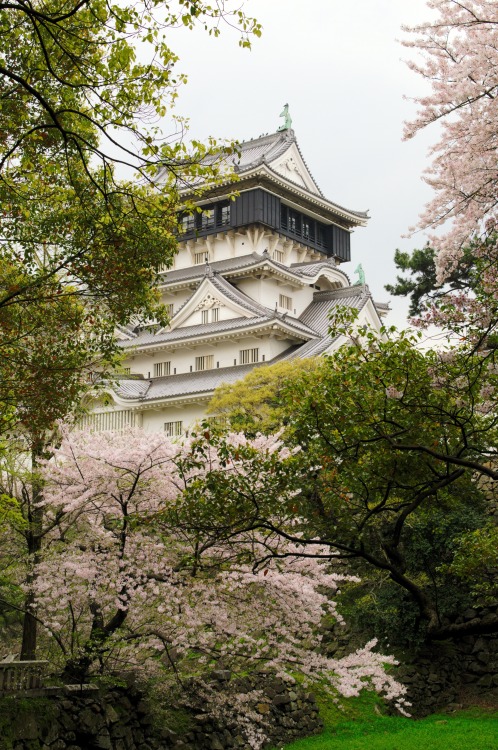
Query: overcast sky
[{"x": 341, "y": 68}]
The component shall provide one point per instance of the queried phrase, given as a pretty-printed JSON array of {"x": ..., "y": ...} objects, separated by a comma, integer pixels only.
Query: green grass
[
  {"x": 468, "y": 730},
  {"x": 358, "y": 724}
]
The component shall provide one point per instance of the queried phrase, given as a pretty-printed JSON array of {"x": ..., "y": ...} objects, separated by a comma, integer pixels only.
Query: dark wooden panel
[
  {"x": 256, "y": 206},
  {"x": 340, "y": 244}
]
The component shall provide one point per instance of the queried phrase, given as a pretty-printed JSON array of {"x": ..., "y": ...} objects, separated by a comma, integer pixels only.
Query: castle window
[
  {"x": 187, "y": 222},
  {"x": 162, "y": 368},
  {"x": 295, "y": 222},
  {"x": 308, "y": 229},
  {"x": 303, "y": 226},
  {"x": 223, "y": 214},
  {"x": 170, "y": 309},
  {"x": 204, "y": 363},
  {"x": 248, "y": 356},
  {"x": 214, "y": 317},
  {"x": 200, "y": 258},
  {"x": 207, "y": 218},
  {"x": 285, "y": 302},
  {"x": 278, "y": 255},
  {"x": 108, "y": 421},
  {"x": 283, "y": 217},
  {"x": 173, "y": 429}
]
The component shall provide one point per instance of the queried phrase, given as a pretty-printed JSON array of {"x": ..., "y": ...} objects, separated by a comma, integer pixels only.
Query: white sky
[{"x": 340, "y": 67}]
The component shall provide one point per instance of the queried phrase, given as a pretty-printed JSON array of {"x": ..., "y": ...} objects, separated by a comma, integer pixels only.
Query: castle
[{"x": 253, "y": 283}]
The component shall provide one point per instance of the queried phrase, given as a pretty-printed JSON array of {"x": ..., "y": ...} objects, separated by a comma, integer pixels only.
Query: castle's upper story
[{"x": 274, "y": 190}]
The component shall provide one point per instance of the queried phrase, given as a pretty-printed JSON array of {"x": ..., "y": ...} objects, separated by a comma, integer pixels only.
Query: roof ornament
[
  {"x": 287, "y": 119},
  {"x": 361, "y": 275}
]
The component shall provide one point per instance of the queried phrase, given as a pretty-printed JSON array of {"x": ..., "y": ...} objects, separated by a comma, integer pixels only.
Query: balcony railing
[{"x": 21, "y": 675}]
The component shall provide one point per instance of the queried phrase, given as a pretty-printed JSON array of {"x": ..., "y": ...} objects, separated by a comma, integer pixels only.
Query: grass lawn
[{"x": 360, "y": 727}]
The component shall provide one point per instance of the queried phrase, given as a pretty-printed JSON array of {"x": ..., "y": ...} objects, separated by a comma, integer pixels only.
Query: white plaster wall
[
  {"x": 235, "y": 244},
  {"x": 177, "y": 299},
  {"x": 267, "y": 292},
  {"x": 153, "y": 419},
  {"x": 223, "y": 353}
]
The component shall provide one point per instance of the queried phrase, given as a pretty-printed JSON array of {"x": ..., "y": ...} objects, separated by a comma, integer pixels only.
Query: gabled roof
[
  {"x": 317, "y": 314},
  {"x": 269, "y": 149}
]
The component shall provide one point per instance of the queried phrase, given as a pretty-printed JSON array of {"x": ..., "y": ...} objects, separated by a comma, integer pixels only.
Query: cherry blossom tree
[
  {"x": 459, "y": 57},
  {"x": 121, "y": 586}
]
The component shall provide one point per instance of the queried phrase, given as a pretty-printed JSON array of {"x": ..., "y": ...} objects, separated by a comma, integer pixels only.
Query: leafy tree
[
  {"x": 392, "y": 441},
  {"x": 256, "y": 403},
  {"x": 72, "y": 80},
  {"x": 422, "y": 285},
  {"x": 77, "y": 100}
]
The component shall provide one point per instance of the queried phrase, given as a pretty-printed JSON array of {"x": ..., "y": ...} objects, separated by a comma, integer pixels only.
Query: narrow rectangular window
[
  {"x": 278, "y": 255},
  {"x": 284, "y": 223},
  {"x": 223, "y": 214},
  {"x": 173, "y": 429},
  {"x": 162, "y": 368},
  {"x": 200, "y": 258},
  {"x": 204, "y": 363},
  {"x": 285, "y": 302},
  {"x": 248, "y": 356},
  {"x": 170, "y": 309},
  {"x": 126, "y": 370},
  {"x": 205, "y": 316},
  {"x": 215, "y": 314},
  {"x": 295, "y": 222}
]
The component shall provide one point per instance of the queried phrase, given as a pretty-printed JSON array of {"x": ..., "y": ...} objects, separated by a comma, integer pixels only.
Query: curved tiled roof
[
  {"x": 251, "y": 261},
  {"x": 147, "y": 339},
  {"x": 172, "y": 386}
]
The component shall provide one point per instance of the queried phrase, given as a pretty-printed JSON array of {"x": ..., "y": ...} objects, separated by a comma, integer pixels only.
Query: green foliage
[
  {"x": 258, "y": 403},
  {"x": 392, "y": 440},
  {"x": 379, "y": 607},
  {"x": 81, "y": 249},
  {"x": 421, "y": 284},
  {"x": 475, "y": 561}
]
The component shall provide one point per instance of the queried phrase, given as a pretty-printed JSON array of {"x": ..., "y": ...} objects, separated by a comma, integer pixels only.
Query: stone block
[
  {"x": 103, "y": 742},
  {"x": 25, "y": 728},
  {"x": 111, "y": 714},
  {"x": 281, "y": 700},
  {"x": 90, "y": 721}
]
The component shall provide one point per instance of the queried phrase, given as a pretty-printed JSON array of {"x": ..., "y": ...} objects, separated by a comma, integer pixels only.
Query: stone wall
[
  {"x": 119, "y": 719},
  {"x": 453, "y": 672}
]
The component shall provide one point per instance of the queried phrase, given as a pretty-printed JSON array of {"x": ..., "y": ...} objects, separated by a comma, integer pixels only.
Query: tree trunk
[{"x": 34, "y": 542}]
